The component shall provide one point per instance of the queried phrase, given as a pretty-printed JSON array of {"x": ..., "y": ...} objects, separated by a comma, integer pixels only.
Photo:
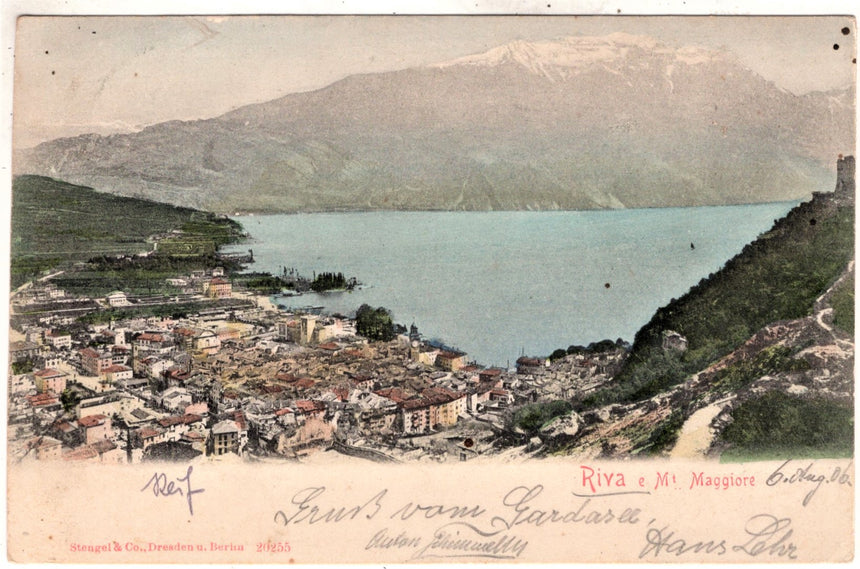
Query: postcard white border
[{"x": 13, "y": 8}]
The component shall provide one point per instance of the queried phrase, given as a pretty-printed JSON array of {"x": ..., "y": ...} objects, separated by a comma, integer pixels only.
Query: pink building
[
  {"x": 96, "y": 428},
  {"x": 93, "y": 362},
  {"x": 49, "y": 380}
]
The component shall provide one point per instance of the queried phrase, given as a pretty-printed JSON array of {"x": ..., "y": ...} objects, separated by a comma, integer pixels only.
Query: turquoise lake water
[{"x": 500, "y": 284}]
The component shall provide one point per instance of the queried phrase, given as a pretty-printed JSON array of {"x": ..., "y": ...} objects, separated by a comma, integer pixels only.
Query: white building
[{"x": 117, "y": 299}]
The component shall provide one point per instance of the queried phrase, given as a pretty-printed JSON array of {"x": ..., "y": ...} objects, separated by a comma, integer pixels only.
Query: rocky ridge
[{"x": 701, "y": 408}]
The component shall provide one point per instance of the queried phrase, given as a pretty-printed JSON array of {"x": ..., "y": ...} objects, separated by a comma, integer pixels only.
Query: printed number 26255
[{"x": 273, "y": 547}]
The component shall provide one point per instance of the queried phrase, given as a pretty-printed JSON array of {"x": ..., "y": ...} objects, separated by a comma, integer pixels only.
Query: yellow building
[{"x": 219, "y": 288}]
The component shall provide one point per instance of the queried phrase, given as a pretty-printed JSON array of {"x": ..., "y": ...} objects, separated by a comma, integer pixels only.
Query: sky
[{"x": 116, "y": 74}]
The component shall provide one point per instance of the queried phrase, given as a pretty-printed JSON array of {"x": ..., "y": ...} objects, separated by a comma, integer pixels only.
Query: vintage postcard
[{"x": 432, "y": 289}]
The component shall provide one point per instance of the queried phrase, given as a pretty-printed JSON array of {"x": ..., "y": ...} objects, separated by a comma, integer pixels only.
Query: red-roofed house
[
  {"x": 151, "y": 343},
  {"x": 437, "y": 407},
  {"x": 285, "y": 377},
  {"x": 196, "y": 439},
  {"x": 50, "y": 381},
  {"x": 394, "y": 393},
  {"x": 360, "y": 381},
  {"x": 354, "y": 353},
  {"x": 96, "y": 428},
  {"x": 82, "y": 454},
  {"x": 306, "y": 409},
  {"x": 46, "y": 401},
  {"x": 304, "y": 383},
  {"x": 101, "y": 451},
  {"x": 93, "y": 362},
  {"x": 184, "y": 337},
  {"x": 201, "y": 409},
  {"x": 491, "y": 375},
  {"x": 176, "y": 376},
  {"x": 341, "y": 393},
  {"x": 177, "y": 425},
  {"x": 120, "y": 354},
  {"x": 503, "y": 396},
  {"x": 526, "y": 365},
  {"x": 146, "y": 436},
  {"x": 415, "y": 416},
  {"x": 447, "y": 406},
  {"x": 150, "y": 339}
]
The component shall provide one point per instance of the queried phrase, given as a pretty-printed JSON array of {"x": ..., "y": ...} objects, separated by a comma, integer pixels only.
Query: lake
[{"x": 501, "y": 284}]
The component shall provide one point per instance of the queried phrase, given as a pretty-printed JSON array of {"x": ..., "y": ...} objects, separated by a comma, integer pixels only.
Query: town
[{"x": 234, "y": 377}]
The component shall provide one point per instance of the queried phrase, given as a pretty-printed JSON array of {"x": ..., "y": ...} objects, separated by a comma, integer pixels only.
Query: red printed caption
[{"x": 152, "y": 547}]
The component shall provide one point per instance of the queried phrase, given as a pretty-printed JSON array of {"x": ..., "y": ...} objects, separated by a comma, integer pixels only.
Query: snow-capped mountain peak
[{"x": 559, "y": 59}]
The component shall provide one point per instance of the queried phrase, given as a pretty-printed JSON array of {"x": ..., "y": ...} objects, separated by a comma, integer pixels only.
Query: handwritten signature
[
  {"x": 161, "y": 486},
  {"x": 766, "y": 536}
]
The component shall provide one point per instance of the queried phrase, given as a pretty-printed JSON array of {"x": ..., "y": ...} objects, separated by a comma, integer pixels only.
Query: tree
[
  {"x": 69, "y": 399},
  {"x": 374, "y": 323},
  {"x": 532, "y": 417},
  {"x": 328, "y": 281},
  {"x": 557, "y": 355},
  {"x": 23, "y": 366}
]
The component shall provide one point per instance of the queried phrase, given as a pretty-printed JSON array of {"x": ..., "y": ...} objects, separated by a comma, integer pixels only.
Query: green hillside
[
  {"x": 776, "y": 277},
  {"x": 55, "y": 224}
]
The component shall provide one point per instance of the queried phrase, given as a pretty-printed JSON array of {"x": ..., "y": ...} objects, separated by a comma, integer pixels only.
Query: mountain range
[{"x": 578, "y": 123}]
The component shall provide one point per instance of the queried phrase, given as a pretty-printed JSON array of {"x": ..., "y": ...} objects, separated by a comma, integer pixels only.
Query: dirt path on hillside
[{"x": 696, "y": 437}]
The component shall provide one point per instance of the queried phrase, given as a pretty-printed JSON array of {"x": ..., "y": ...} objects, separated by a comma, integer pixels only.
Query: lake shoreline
[{"x": 498, "y": 285}]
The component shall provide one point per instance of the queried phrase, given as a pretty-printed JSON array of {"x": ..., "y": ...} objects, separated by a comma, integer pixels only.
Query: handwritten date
[{"x": 809, "y": 476}]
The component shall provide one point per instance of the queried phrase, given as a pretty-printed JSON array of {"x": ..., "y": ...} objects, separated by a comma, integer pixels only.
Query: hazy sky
[{"x": 108, "y": 74}]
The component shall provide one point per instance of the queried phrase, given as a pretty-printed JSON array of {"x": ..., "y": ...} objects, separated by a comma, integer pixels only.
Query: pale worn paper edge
[{"x": 185, "y": 7}]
